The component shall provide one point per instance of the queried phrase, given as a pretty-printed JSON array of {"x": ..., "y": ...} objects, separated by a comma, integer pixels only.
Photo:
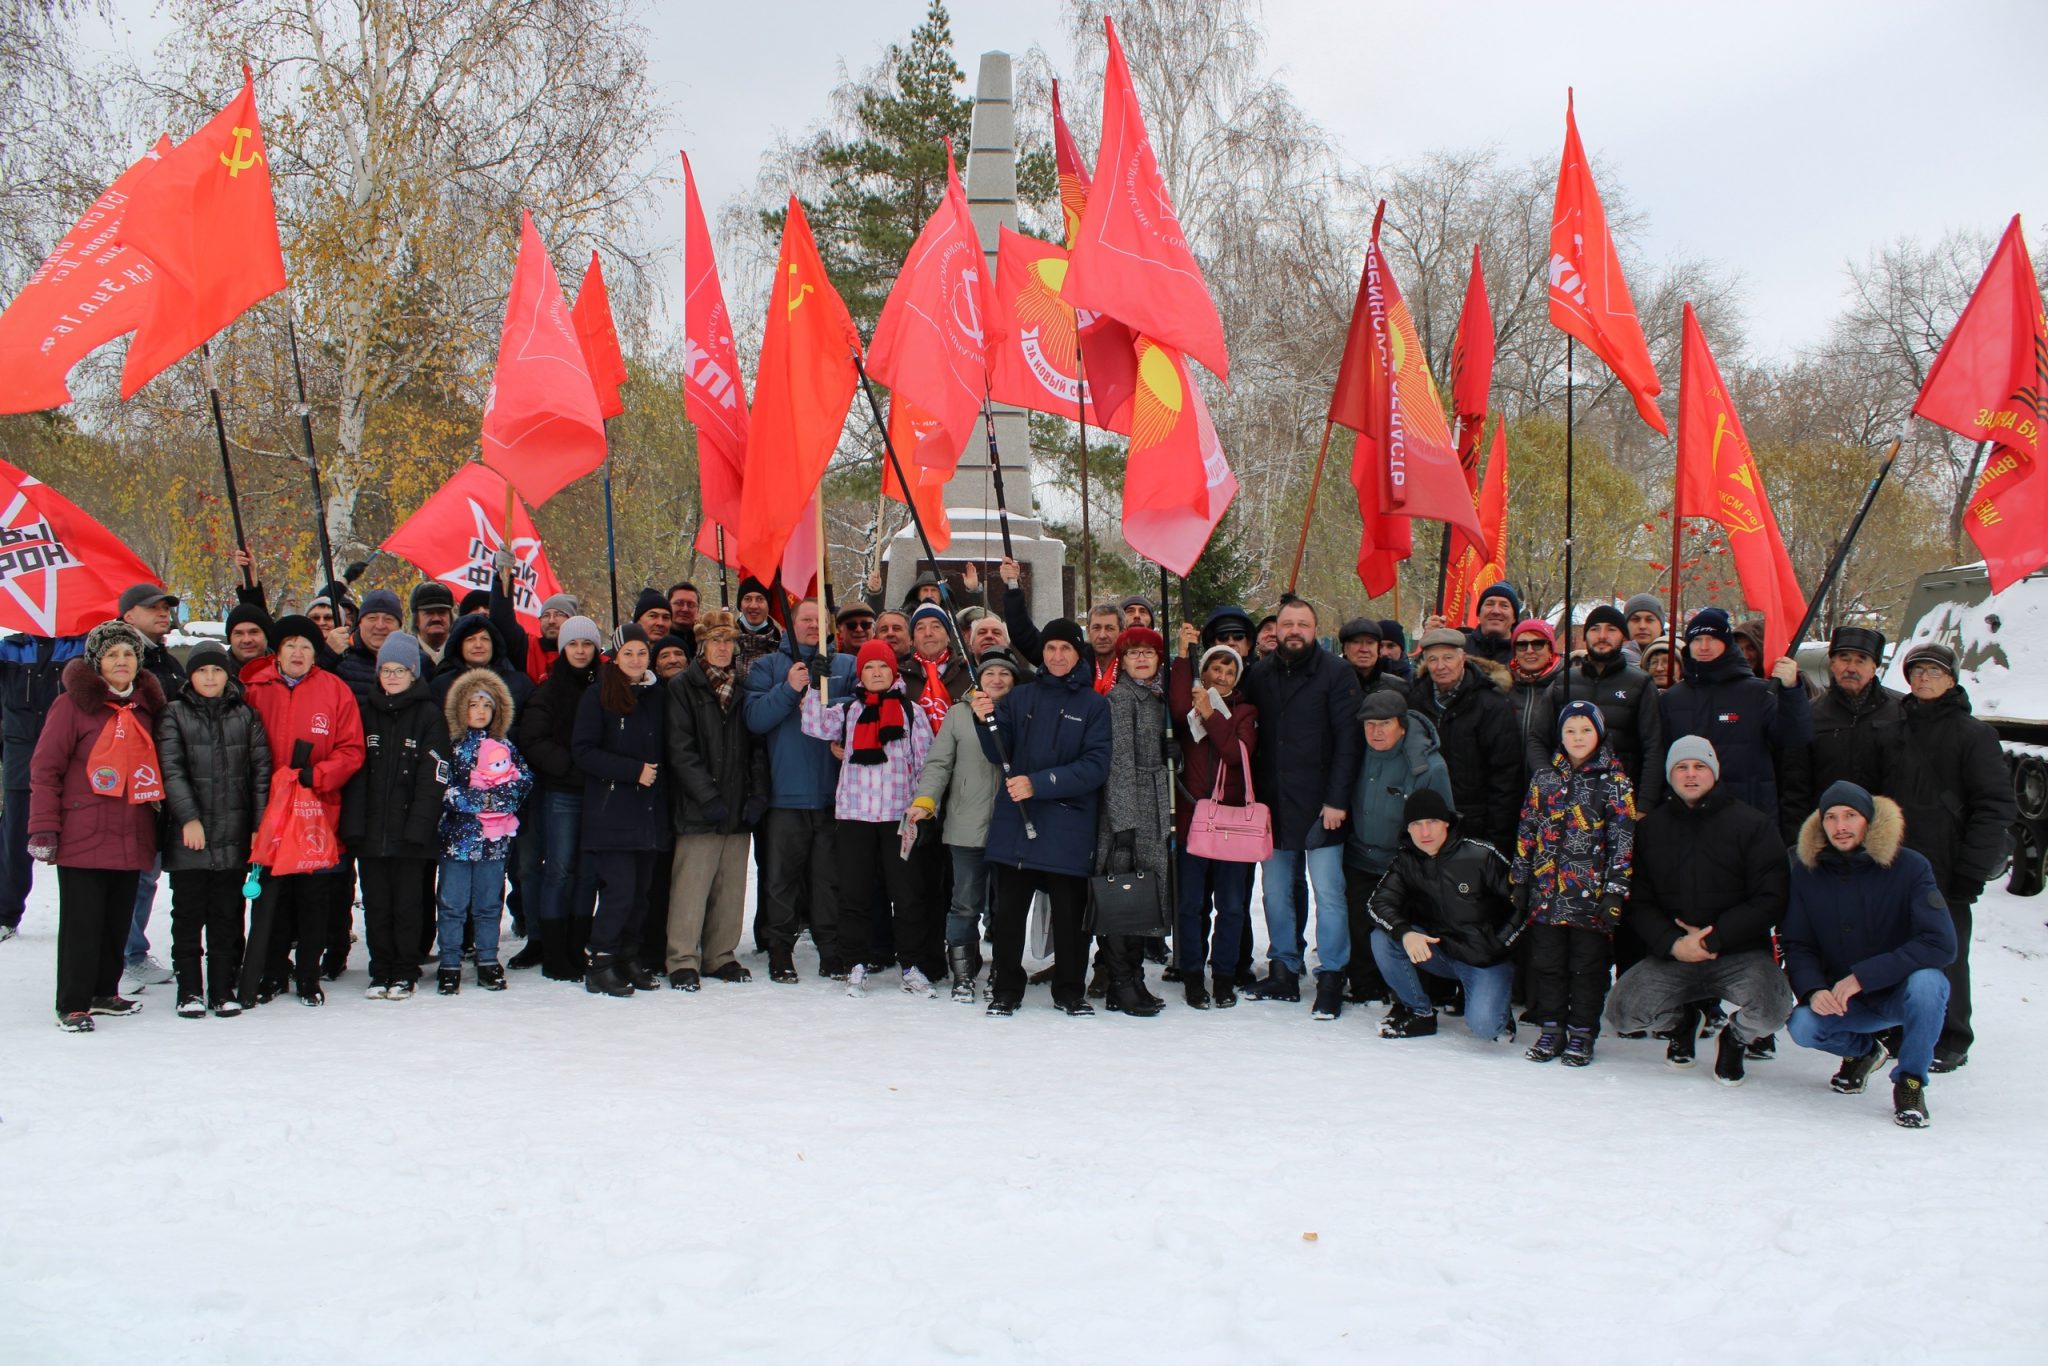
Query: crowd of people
[{"x": 1453, "y": 829}]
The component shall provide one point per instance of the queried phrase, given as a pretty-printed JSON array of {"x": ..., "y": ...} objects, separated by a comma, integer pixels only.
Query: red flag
[
  {"x": 1718, "y": 479},
  {"x": 799, "y": 562},
  {"x": 1384, "y": 539},
  {"x": 1177, "y": 483},
  {"x": 1130, "y": 259},
  {"x": 911, "y": 429},
  {"x": 1990, "y": 383},
  {"x": 1472, "y": 370},
  {"x": 801, "y": 393},
  {"x": 714, "y": 393},
  {"x": 88, "y": 291},
  {"x": 1032, "y": 342},
  {"x": 1588, "y": 296},
  {"x": 61, "y": 573},
  {"x": 930, "y": 342},
  {"x": 1107, "y": 350},
  {"x": 599, "y": 338},
  {"x": 1406, "y": 446},
  {"x": 1073, "y": 173},
  {"x": 542, "y": 427},
  {"x": 1470, "y": 571},
  {"x": 454, "y": 536},
  {"x": 206, "y": 220}
]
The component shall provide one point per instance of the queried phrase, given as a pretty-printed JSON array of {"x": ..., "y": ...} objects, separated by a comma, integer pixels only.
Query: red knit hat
[
  {"x": 1535, "y": 627},
  {"x": 874, "y": 652},
  {"x": 1136, "y": 636}
]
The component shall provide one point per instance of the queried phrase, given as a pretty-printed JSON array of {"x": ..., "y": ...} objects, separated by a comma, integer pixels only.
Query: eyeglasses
[{"x": 1543, "y": 645}]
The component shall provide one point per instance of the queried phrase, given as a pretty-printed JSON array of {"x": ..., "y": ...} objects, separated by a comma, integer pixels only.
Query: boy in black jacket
[
  {"x": 216, "y": 768},
  {"x": 1444, "y": 908},
  {"x": 390, "y": 810}
]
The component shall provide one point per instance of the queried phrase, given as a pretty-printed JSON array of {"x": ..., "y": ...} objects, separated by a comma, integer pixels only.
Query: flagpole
[
  {"x": 291, "y": 333},
  {"x": 724, "y": 598},
  {"x": 1677, "y": 530},
  {"x": 995, "y": 466},
  {"x": 1443, "y": 554},
  {"x": 1081, "y": 410},
  {"x": 1172, "y": 742},
  {"x": 1570, "y": 352},
  {"x": 611, "y": 544},
  {"x": 1827, "y": 580},
  {"x": 227, "y": 468},
  {"x": 824, "y": 579},
  {"x": 1314, "y": 484}
]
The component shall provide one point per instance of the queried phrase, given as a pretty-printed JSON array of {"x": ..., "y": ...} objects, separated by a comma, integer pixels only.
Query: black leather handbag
[{"x": 1130, "y": 902}]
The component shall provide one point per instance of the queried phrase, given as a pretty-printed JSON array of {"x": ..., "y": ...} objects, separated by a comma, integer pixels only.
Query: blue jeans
[
  {"x": 1486, "y": 989},
  {"x": 1228, "y": 886},
  {"x": 145, "y": 896},
  {"x": 970, "y": 897},
  {"x": 560, "y": 834},
  {"x": 470, "y": 891},
  {"x": 1333, "y": 918},
  {"x": 1918, "y": 1005}
]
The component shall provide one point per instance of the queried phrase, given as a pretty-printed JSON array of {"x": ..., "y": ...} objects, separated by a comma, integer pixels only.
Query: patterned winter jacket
[
  {"x": 1576, "y": 842},
  {"x": 468, "y": 812}
]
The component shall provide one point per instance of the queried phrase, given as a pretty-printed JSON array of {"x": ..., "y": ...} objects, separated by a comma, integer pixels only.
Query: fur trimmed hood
[
  {"x": 1499, "y": 675},
  {"x": 459, "y": 692},
  {"x": 1884, "y": 839},
  {"x": 84, "y": 685}
]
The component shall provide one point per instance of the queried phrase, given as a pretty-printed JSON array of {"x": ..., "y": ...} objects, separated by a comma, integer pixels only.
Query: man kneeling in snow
[
  {"x": 1709, "y": 883},
  {"x": 1866, "y": 936},
  {"x": 1444, "y": 908}
]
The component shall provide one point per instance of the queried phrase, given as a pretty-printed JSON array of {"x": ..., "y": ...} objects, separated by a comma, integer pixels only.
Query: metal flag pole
[
  {"x": 227, "y": 468},
  {"x": 1570, "y": 349},
  {"x": 995, "y": 466},
  {"x": 611, "y": 544},
  {"x": 1081, "y": 410},
  {"x": 1841, "y": 557},
  {"x": 305, "y": 412}
]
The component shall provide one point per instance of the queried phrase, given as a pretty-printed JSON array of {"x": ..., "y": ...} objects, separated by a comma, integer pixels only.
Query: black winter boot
[
  {"x": 1279, "y": 984},
  {"x": 643, "y": 979},
  {"x": 1549, "y": 1042},
  {"x": 490, "y": 976},
  {"x": 1909, "y": 1103},
  {"x": 1129, "y": 997},
  {"x": 1403, "y": 1023},
  {"x": 1685, "y": 1036},
  {"x": 781, "y": 964},
  {"x": 1192, "y": 988},
  {"x": 1225, "y": 994},
  {"x": 960, "y": 966},
  {"x": 1578, "y": 1046},
  {"x": 449, "y": 981},
  {"x": 603, "y": 978},
  {"x": 534, "y": 951},
  {"x": 1728, "y": 1055},
  {"x": 1329, "y": 996}
]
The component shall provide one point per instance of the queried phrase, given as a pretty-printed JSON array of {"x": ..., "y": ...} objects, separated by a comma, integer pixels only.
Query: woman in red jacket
[
  {"x": 316, "y": 732},
  {"x": 94, "y": 789}
]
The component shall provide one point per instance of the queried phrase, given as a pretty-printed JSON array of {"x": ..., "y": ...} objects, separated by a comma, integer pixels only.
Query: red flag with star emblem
[
  {"x": 206, "y": 221},
  {"x": 1718, "y": 479},
  {"x": 454, "y": 536},
  {"x": 88, "y": 291},
  {"x": 542, "y": 427},
  {"x": 1990, "y": 383},
  {"x": 61, "y": 573}
]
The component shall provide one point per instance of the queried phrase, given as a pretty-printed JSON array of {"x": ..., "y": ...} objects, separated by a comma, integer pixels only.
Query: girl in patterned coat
[
  {"x": 1570, "y": 875},
  {"x": 487, "y": 780}
]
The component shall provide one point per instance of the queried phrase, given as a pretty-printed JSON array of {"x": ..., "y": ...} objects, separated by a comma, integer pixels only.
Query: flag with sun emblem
[
  {"x": 1177, "y": 483},
  {"x": 1034, "y": 347}
]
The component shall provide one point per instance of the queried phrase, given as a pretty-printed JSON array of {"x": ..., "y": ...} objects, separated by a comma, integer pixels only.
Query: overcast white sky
[{"x": 1781, "y": 139}]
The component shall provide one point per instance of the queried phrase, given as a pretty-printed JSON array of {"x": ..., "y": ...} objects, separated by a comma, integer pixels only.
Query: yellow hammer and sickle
[
  {"x": 234, "y": 160},
  {"x": 797, "y": 293}
]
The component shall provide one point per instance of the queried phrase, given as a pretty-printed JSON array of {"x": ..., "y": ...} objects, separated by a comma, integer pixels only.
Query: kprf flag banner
[
  {"x": 1990, "y": 383},
  {"x": 1130, "y": 258},
  {"x": 206, "y": 221},
  {"x": 802, "y": 389},
  {"x": 456, "y": 535},
  {"x": 89, "y": 290},
  {"x": 61, "y": 572},
  {"x": 714, "y": 396},
  {"x": 1589, "y": 297},
  {"x": 1718, "y": 479},
  {"x": 542, "y": 427},
  {"x": 1177, "y": 483},
  {"x": 598, "y": 335},
  {"x": 1472, "y": 370}
]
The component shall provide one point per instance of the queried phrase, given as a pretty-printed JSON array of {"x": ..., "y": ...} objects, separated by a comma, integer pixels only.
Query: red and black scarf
[{"x": 881, "y": 720}]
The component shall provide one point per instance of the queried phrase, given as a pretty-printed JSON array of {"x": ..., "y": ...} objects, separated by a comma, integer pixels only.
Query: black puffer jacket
[
  {"x": 1460, "y": 897},
  {"x": 391, "y": 808},
  {"x": 1951, "y": 782},
  {"x": 1627, "y": 699},
  {"x": 1482, "y": 747},
  {"x": 1853, "y": 740},
  {"x": 1719, "y": 863},
  {"x": 216, "y": 764},
  {"x": 452, "y": 665},
  {"x": 712, "y": 756},
  {"x": 1309, "y": 742},
  {"x": 547, "y": 724},
  {"x": 1753, "y": 724},
  {"x": 357, "y": 667},
  {"x": 611, "y": 748}
]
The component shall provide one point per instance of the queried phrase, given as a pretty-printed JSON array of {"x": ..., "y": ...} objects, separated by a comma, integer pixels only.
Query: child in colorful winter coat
[
  {"x": 486, "y": 782},
  {"x": 885, "y": 737},
  {"x": 1570, "y": 875}
]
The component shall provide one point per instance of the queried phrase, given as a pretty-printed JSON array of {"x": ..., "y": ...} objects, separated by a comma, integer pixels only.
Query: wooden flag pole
[
  {"x": 227, "y": 467},
  {"x": 1314, "y": 484},
  {"x": 611, "y": 544},
  {"x": 1081, "y": 411},
  {"x": 824, "y": 579},
  {"x": 305, "y": 412}
]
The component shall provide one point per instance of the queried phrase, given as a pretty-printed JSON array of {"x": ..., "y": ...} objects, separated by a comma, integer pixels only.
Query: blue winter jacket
[
  {"x": 802, "y": 774},
  {"x": 31, "y": 669},
  {"x": 1057, "y": 733},
  {"x": 462, "y": 837},
  {"x": 1876, "y": 913},
  {"x": 1386, "y": 779}
]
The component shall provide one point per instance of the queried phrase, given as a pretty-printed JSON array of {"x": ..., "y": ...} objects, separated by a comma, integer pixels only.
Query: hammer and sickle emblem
[
  {"x": 235, "y": 161},
  {"x": 797, "y": 293}
]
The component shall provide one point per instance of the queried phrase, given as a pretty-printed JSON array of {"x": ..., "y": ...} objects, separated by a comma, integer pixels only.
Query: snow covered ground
[{"x": 781, "y": 1174}]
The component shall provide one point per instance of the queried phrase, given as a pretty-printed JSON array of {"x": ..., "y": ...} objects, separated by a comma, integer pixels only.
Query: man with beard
[
  {"x": 1855, "y": 724},
  {"x": 1137, "y": 611},
  {"x": 248, "y": 635},
  {"x": 1305, "y": 768},
  {"x": 1627, "y": 698},
  {"x": 555, "y": 610},
  {"x": 1466, "y": 699}
]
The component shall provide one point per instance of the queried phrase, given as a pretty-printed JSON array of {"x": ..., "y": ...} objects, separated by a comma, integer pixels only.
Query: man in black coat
[
  {"x": 1707, "y": 889},
  {"x": 1949, "y": 777},
  {"x": 1500, "y": 607},
  {"x": 1753, "y": 723},
  {"x": 31, "y": 678},
  {"x": 1306, "y": 766},
  {"x": 1466, "y": 698},
  {"x": 1627, "y": 698},
  {"x": 1855, "y": 723},
  {"x": 1359, "y": 641}
]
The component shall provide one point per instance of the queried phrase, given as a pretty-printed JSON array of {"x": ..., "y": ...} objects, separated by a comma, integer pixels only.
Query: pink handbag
[{"x": 1233, "y": 834}]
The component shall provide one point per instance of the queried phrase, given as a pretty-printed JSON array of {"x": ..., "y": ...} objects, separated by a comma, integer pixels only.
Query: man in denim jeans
[{"x": 1306, "y": 767}]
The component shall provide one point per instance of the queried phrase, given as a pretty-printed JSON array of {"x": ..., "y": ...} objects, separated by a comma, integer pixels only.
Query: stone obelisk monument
[{"x": 970, "y": 497}]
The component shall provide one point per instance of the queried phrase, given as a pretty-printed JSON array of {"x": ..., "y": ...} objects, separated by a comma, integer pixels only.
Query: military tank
[{"x": 2001, "y": 645}]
